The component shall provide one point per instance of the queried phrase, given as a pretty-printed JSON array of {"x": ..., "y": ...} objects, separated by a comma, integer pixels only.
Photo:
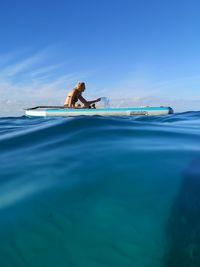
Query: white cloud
[
  {"x": 13, "y": 98},
  {"x": 181, "y": 94},
  {"x": 31, "y": 82}
]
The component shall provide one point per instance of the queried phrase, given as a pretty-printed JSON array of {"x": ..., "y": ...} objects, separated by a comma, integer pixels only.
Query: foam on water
[{"x": 98, "y": 191}]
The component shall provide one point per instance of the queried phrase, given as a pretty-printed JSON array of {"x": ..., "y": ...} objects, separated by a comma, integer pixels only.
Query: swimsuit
[{"x": 74, "y": 98}]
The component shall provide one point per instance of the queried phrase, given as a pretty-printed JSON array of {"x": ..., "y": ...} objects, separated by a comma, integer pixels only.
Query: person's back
[{"x": 72, "y": 98}]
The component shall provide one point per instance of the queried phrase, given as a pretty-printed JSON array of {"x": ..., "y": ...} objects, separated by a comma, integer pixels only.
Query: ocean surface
[{"x": 100, "y": 191}]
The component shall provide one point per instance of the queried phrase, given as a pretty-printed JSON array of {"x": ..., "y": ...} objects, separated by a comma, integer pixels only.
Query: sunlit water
[{"x": 97, "y": 191}]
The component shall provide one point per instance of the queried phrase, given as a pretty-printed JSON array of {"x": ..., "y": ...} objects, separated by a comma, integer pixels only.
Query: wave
[{"x": 107, "y": 189}]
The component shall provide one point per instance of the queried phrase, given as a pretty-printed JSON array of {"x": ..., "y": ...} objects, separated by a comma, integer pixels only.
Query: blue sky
[{"x": 135, "y": 52}]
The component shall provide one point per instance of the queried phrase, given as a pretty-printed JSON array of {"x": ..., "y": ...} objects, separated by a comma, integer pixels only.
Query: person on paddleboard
[{"x": 76, "y": 94}]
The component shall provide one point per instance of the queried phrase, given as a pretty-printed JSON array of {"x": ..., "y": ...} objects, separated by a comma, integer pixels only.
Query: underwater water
[{"x": 100, "y": 191}]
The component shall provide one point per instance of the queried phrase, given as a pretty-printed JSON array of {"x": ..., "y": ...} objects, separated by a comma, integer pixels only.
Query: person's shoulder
[{"x": 71, "y": 91}]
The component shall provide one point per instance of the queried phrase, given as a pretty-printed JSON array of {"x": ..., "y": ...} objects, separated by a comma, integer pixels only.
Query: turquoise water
[{"x": 97, "y": 191}]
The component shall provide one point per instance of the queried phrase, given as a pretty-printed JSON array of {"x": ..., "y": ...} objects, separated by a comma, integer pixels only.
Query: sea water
[{"x": 100, "y": 191}]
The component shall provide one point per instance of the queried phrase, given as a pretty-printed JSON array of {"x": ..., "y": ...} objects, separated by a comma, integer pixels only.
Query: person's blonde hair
[{"x": 80, "y": 85}]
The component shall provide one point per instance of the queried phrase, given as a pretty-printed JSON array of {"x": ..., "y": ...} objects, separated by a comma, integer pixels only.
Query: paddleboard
[{"x": 60, "y": 111}]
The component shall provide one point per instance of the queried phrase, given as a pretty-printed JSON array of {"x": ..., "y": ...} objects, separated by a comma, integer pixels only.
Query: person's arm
[{"x": 87, "y": 103}]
